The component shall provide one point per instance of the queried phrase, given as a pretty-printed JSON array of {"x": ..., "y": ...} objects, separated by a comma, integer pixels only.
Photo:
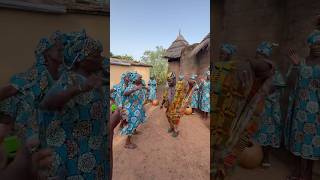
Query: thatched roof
[
  {"x": 174, "y": 51},
  {"x": 60, "y": 6},
  {"x": 203, "y": 45},
  {"x": 123, "y": 62}
]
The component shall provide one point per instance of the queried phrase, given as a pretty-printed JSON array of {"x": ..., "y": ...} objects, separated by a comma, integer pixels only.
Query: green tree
[
  {"x": 124, "y": 57},
  {"x": 160, "y": 65}
]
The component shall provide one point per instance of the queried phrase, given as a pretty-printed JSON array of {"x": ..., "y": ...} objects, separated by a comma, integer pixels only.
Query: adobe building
[
  {"x": 188, "y": 59},
  {"x": 24, "y": 22},
  {"x": 119, "y": 66}
]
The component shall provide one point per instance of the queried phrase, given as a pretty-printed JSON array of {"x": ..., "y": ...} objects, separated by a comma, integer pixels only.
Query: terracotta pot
[
  {"x": 251, "y": 157},
  {"x": 188, "y": 111},
  {"x": 155, "y": 102}
]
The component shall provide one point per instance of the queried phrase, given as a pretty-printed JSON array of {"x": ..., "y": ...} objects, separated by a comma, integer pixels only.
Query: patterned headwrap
[
  {"x": 207, "y": 73},
  {"x": 136, "y": 77},
  {"x": 265, "y": 48},
  {"x": 132, "y": 76},
  {"x": 45, "y": 44},
  {"x": 181, "y": 77},
  {"x": 171, "y": 76},
  {"x": 79, "y": 47},
  {"x": 229, "y": 49},
  {"x": 313, "y": 38},
  {"x": 193, "y": 77}
]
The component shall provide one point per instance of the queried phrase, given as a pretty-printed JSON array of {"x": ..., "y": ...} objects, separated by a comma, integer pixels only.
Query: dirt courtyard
[{"x": 162, "y": 157}]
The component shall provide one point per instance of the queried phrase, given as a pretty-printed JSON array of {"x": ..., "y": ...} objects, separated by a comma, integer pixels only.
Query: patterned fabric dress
[
  {"x": 303, "y": 132},
  {"x": 271, "y": 127},
  {"x": 117, "y": 94},
  {"x": 78, "y": 133},
  {"x": 205, "y": 97},
  {"x": 174, "y": 97},
  {"x": 195, "y": 98},
  {"x": 235, "y": 111},
  {"x": 153, "y": 89},
  {"x": 133, "y": 106},
  {"x": 32, "y": 86}
]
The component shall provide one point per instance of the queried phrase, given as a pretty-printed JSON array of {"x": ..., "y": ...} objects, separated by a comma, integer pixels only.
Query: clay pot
[
  {"x": 155, "y": 102},
  {"x": 251, "y": 157},
  {"x": 188, "y": 111}
]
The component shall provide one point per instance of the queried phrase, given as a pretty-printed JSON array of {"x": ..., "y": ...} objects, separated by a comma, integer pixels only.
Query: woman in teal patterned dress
[
  {"x": 73, "y": 120},
  {"x": 270, "y": 131},
  {"x": 133, "y": 106},
  {"x": 22, "y": 96},
  {"x": 195, "y": 96},
  {"x": 152, "y": 89},
  {"x": 117, "y": 91},
  {"x": 304, "y": 111},
  {"x": 205, "y": 96}
]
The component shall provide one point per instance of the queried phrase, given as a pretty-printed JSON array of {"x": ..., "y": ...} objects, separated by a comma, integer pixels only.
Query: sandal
[
  {"x": 175, "y": 134},
  {"x": 170, "y": 130}
]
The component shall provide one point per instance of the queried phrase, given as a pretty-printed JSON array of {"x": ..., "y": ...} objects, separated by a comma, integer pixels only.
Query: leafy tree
[
  {"x": 124, "y": 57},
  {"x": 160, "y": 65}
]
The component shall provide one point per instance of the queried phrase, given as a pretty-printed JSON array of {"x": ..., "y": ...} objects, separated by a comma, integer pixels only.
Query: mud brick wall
[
  {"x": 203, "y": 63},
  {"x": 248, "y": 22},
  {"x": 188, "y": 63},
  {"x": 174, "y": 66}
]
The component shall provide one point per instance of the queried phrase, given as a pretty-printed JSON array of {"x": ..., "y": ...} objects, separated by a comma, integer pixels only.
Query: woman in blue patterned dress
[
  {"x": 303, "y": 119},
  {"x": 73, "y": 120},
  {"x": 195, "y": 96},
  {"x": 205, "y": 96},
  {"x": 22, "y": 96},
  {"x": 117, "y": 91},
  {"x": 270, "y": 130},
  {"x": 133, "y": 106},
  {"x": 152, "y": 89}
]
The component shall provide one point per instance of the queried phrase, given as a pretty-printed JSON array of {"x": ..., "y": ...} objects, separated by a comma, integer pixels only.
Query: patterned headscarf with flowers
[
  {"x": 229, "y": 48},
  {"x": 314, "y": 37},
  {"x": 79, "y": 47},
  {"x": 45, "y": 44},
  {"x": 265, "y": 48}
]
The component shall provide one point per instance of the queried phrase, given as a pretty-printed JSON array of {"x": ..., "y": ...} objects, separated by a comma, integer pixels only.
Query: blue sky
[{"x": 139, "y": 25}]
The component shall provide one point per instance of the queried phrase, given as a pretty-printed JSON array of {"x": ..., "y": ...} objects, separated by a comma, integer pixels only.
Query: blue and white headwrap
[
  {"x": 79, "y": 46},
  {"x": 229, "y": 48},
  {"x": 265, "y": 48},
  {"x": 45, "y": 44},
  {"x": 132, "y": 75},
  {"x": 193, "y": 77},
  {"x": 207, "y": 73},
  {"x": 181, "y": 77},
  {"x": 313, "y": 38}
]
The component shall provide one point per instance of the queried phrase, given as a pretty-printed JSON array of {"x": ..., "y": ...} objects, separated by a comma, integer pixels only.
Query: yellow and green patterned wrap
[
  {"x": 173, "y": 108},
  {"x": 236, "y": 108}
]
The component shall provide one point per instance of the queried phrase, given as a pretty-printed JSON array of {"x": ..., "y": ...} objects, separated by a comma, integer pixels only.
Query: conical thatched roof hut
[
  {"x": 204, "y": 45},
  {"x": 174, "y": 51}
]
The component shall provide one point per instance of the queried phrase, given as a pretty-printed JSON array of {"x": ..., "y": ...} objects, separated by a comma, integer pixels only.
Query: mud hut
[
  {"x": 173, "y": 53},
  {"x": 188, "y": 59}
]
